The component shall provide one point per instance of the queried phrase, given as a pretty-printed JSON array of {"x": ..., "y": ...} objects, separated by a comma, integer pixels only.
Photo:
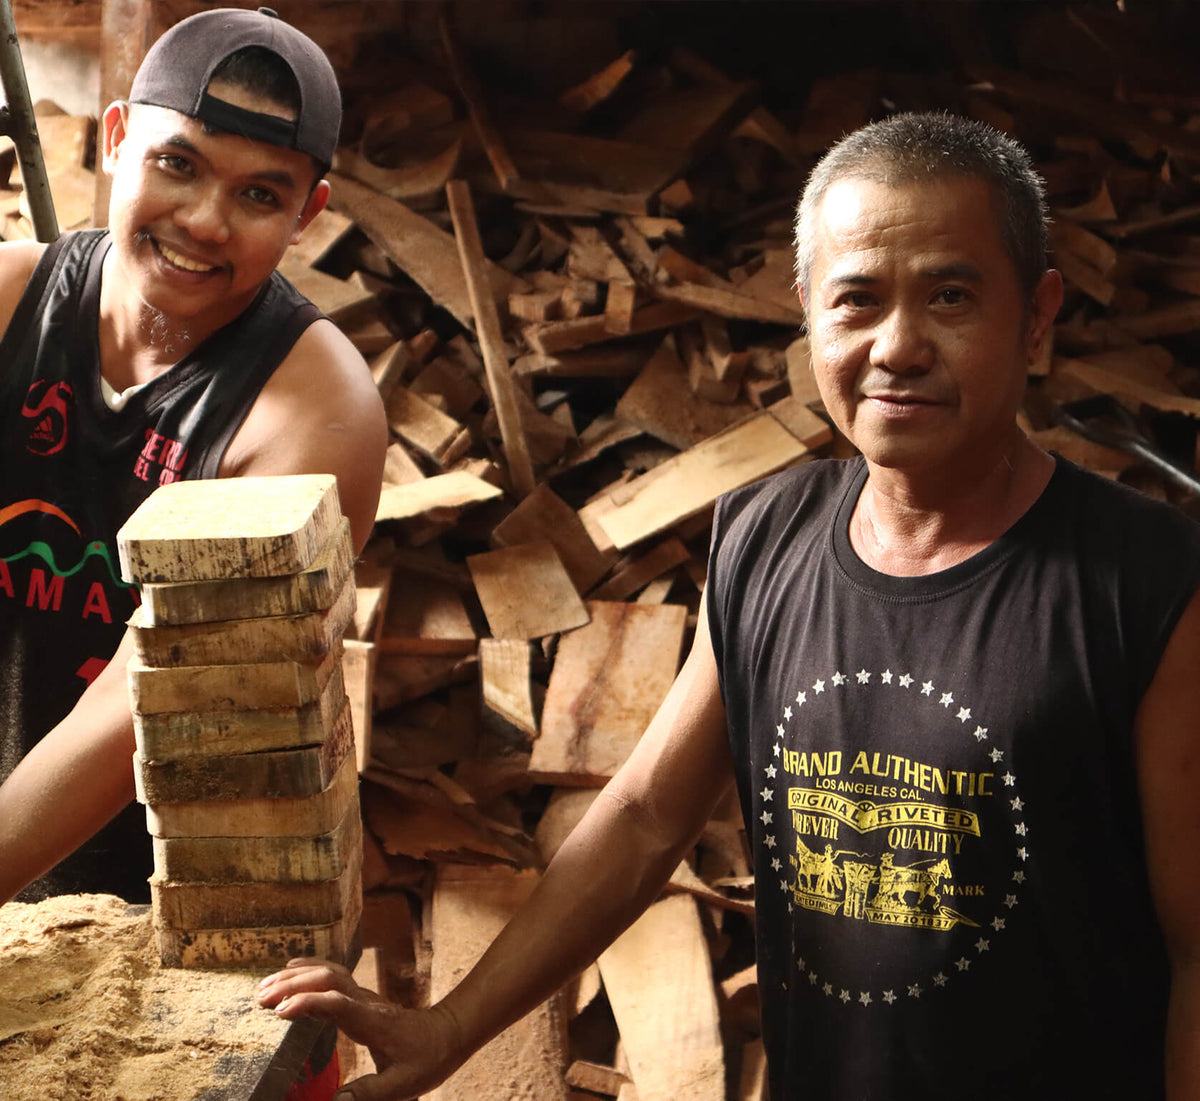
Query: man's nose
[
  {"x": 901, "y": 342},
  {"x": 204, "y": 215}
]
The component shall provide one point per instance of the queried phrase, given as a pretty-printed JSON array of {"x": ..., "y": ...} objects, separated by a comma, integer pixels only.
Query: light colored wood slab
[
  {"x": 729, "y": 304},
  {"x": 526, "y": 592},
  {"x": 268, "y": 684},
  {"x": 249, "y": 598},
  {"x": 660, "y": 402},
  {"x": 302, "y": 817},
  {"x": 595, "y": 1078},
  {"x": 659, "y": 983},
  {"x": 470, "y": 906},
  {"x": 454, "y": 490},
  {"x": 427, "y": 254},
  {"x": 170, "y": 734},
  {"x": 550, "y": 337},
  {"x": 426, "y": 428},
  {"x": 358, "y": 669},
  {"x": 543, "y": 515},
  {"x": 236, "y": 948},
  {"x": 507, "y": 697},
  {"x": 811, "y": 430},
  {"x": 262, "y": 859},
  {"x": 638, "y": 573},
  {"x": 273, "y": 774},
  {"x": 608, "y": 680},
  {"x": 245, "y": 641},
  {"x": 691, "y": 482},
  {"x": 1108, "y": 381},
  {"x": 343, "y": 302},
  {"x": 229, "y": 527}
]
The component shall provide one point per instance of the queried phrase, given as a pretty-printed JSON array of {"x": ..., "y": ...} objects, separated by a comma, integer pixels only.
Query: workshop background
[{"x": 534, "y": 578}]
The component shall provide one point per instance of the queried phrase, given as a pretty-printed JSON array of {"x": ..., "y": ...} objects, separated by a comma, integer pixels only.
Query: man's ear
[
  {"x": 314, "y": 205},
  {"x": 116, "y": 126},
  {"x": 1047, "y": 298}
]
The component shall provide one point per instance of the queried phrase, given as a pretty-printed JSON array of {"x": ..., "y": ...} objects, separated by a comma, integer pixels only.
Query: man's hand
[{"x": 414, "y": 1049}]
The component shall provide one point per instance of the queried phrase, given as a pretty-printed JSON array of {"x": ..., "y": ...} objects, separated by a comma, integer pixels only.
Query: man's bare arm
[
  {"x": 613, "y": 865},
  {"x": 1168, "y": 756}
]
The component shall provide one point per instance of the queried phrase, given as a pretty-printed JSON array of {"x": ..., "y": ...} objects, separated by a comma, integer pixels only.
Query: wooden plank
[
  {"x": 425, "y": 427},
  {"x": 343, "y": 302},
  {"x": 659, "y": 983},
  {"x": 595, "y": 1078},
  {"x": 358, "y": 669},
  {"x": 619, "y": 307},
  {"x": 691, "y": 482},
  {"x": 408, "y": 183},
  {"x": 506, "y": 688},
  {"x": 729, "y": 303},
  {"x": 597, "y": 706},
  {"x": 660, "y": 402},
  {"x": 526, "y": 591},
  {"x": 244, "y": 641},
  {"x": 456, "y": 489},
  {"x": 551, "y": 337},
  {"x": 272, "y": 774},
  {"x": 221, "y": 905},
  {"x": 229, "y": 527},
  {"x": 635, "y": 575},
  {"x": 267, "y": 684},
  {"x": 307, "y": 816},
  {"x": 600, "y": 85},
  {"x": 427, "y": 254},
  {"x": 543, "y": 515},
  {"x": 264, "y": 859},
  {"x": 260, "y": 947},
  {"x": 1108, "y": 381},
  {"x": 310, "y": 590},
  {"x": 491, "y": 341},
  {"x": 811, "y": 430},
  {"x": 470, "y": 906},
  {"x": 319, "y": 238}
]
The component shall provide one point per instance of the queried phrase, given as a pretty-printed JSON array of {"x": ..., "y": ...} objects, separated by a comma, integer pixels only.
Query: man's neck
[{"x": 908, "y": 525}]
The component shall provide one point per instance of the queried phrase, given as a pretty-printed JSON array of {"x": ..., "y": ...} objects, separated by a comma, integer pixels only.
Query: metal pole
[{"x": 17, "y": 121}]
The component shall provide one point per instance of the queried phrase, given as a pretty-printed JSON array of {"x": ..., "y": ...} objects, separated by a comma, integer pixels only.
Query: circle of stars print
[{"x": 970, "y": 728}]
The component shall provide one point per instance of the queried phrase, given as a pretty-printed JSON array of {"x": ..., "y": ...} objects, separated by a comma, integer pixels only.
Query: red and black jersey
[{"x": 72, "y": 470}]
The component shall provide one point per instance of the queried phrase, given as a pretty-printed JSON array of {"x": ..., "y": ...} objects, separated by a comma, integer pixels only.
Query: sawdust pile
[{"x": 87, "y": 1013}]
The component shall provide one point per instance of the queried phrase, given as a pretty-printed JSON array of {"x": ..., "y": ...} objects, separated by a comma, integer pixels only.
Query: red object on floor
[{"x": 319, "y": 1087}]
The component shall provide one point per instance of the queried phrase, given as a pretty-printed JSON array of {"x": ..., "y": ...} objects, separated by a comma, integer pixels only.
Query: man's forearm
[{"x": 1183, "y": 1035}]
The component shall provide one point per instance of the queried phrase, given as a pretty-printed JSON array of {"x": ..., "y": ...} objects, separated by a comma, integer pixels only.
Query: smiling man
[
  {"x": 954, "y": 680},
  {"x": 166, "y": 347}
]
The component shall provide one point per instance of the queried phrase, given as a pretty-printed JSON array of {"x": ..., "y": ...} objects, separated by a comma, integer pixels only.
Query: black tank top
[
  {"x": 937, "y": 776},
  {"x": 71, "y": 472}
]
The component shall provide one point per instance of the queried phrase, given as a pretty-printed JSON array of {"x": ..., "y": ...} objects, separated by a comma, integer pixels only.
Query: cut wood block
[
  {"x": 562, "y": 336},
  {"x": 729, "y": 304},
  {"x": 775, "y": 281},
  {"x": 272, "y": 774},
  {"x": 526, "y": 592},
  {"x": 600, "y": 85},
  {"x": 221, "y": 905},
  {"x": 659, "y": 983},
  {"x": 543, "y": 515},
  {"x": 1173, "y": 320},
  {"x": 342, "y": 302},
  {"x": 470, "y": 906},
  {"x": 229, "y": 528},
  {"x": 506, "y": 690},
  {"x": 307, "y": 816},
  {"x": 302, "y": 638},
  {"x": 619, "y": 306},
  {"x": 426, "y": 608},
  {"x": 595, "y": 1078},
  {"x": 537, "y": 306},
  {"x": 632, "y": 576},
  {"x": 691, "y": 482},
  {"x": 800, "y": 373},
  {"x": 310, "y": 590},
  {"x": 269, "y": 947},
  {"x": 260, "y": 859},
  {"x": 171, "y": 734},
  {"x": 427, "y": 254},
  {"x": 692, "y": 119},
  {"x": 607, "y": 682},
  {"x": 811, "y": 430},
  {"x": 399, "y": 467},
  {"x": 451, "y": 382},
  {"x": 660, "y": 402},
  {"x": 1108, "y": 381},
  {"x": 443, "y": 491},
  {"x": 425, "y": 427},
  {"x": 703, "y": 380},
  {"x": 1083, "y": 275},
  {"x": 319, "y": 238},
  {"x": 358, "y": 668},
  {"x": 268, "y": 684}
]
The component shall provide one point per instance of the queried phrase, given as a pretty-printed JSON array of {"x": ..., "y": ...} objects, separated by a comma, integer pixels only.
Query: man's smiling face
[{"x": 200, "y": 219}]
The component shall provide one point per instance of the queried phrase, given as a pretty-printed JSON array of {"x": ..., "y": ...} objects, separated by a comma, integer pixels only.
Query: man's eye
[
  {"x": 172, "y": 162},
  {"x": 951, "y": 296},
  {"x": 262, "y": 196},
  {"x": 857, "y": 300}
]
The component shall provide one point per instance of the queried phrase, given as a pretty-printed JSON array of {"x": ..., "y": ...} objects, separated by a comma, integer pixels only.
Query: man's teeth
[{"x": 182, "y": 261}]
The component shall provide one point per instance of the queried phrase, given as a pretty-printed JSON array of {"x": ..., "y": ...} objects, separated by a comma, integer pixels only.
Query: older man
[{"x": 957, "y": 669}]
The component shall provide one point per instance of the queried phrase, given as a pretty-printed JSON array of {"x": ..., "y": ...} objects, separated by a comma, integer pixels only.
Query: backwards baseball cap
[{"x": 177, "y": 70}]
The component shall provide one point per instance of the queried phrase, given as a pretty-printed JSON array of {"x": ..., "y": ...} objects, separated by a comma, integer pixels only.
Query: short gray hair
[{"x": 906, "y": 148}]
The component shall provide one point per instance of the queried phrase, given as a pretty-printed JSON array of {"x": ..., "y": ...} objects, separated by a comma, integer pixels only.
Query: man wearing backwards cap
[{"x": 166, "y": 347}]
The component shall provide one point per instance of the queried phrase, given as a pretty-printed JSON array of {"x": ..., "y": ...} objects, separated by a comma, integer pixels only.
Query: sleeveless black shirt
[
  {"x": 937, "y": 774},
  {"x": 71, "y": 472}
]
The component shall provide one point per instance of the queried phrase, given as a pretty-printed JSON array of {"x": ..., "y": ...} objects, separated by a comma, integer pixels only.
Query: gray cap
[{"x": 179, "y": 66}]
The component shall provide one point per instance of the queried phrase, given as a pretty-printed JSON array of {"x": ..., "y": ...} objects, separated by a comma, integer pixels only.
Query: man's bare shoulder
[
  {"x": 17, "y": 261},
  {"x": 320, "y": 412}
]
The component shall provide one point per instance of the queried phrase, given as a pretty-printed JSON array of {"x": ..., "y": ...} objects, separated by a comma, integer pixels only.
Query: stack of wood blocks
[{"x": 245, "y": 747}]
